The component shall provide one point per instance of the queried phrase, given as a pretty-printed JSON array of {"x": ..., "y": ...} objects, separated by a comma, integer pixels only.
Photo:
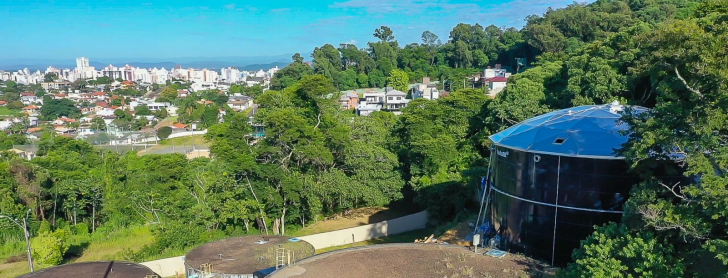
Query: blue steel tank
[{"x": 557, "y": 175}]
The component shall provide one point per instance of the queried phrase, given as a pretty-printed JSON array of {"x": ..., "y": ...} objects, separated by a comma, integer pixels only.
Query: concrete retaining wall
[
  {"x": 367, "y": 232},
  {"x": 170, "y": 267}
]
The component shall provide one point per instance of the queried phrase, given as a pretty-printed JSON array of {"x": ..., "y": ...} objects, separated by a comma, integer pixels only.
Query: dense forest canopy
[{"x": 315, "y": 159}]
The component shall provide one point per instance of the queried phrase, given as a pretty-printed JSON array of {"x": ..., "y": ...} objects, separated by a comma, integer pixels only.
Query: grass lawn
[
  {"x": 198, "y": 140},
  {"x": 96, "y": 247},
  {"x": 111, "y": 247},
  {"x": 4, "y": 110}
]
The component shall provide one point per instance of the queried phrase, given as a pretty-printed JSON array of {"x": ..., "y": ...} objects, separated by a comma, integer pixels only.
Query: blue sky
[{"x": 180, "y": 28}]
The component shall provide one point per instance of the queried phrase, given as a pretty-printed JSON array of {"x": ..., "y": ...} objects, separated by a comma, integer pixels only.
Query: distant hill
[{"x": 264, "y": 66}]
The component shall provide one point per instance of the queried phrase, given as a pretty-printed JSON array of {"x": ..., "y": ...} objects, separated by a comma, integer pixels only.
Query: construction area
[
  {"x": 110, "y": 269},
  {"x": 412, "y": 260},
  {"x": 244, "y": 257}
]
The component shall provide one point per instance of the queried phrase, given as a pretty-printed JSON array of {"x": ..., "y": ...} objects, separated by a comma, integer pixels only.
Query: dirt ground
[
  {"x": 457, "y": 234},
  {"x": 412, "y": 260}
]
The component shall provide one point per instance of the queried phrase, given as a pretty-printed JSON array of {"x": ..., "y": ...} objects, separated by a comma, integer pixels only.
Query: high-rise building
[{"x": 81, "y": 63}]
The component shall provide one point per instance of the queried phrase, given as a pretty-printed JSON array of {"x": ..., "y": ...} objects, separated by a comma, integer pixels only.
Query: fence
[{"x": 173, "y": 266}]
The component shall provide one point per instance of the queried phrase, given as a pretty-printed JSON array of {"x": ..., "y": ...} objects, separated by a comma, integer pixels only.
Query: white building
[
  {"x": 426, "y": 90},
  {"x": 230, "y": 75},
  {"x": 496, "y": 84}
]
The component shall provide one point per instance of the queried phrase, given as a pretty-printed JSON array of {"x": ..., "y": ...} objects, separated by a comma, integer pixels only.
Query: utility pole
[{"x": 26, "y": 233}]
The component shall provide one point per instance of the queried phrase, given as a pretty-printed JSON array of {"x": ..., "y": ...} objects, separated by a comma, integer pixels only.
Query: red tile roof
[
  {"x": 35, "y": 129},
  {"x": 179, "y": 125},
  {"x": 2, "y": 102},
  {"x": 99, "y": 93},
  {"x": 27, "y": 94},
  {"x": 115, "y": 107},
  {"x": 31, "y": 107},
  {"x": 102, "y": 104},
  {"x": 127, "y": 82}
]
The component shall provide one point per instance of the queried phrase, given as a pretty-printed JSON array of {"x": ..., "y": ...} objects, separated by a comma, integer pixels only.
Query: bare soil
[
  {"x": 457, "y": 234},
  {"x": 412, "y": 260}
]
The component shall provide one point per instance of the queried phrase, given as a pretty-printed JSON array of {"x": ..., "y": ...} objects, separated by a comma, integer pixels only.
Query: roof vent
[
  {"x": 559, "y": 141},
  {"x": 615, "y": 107}
]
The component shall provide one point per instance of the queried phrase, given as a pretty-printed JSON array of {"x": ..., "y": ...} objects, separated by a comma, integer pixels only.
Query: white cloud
[
  {"x": 351, "y": 41},
  {"x": 229, "y": 6}
]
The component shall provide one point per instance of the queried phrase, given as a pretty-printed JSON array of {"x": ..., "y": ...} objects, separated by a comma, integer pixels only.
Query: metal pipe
[{"x": 26, "y": 234}]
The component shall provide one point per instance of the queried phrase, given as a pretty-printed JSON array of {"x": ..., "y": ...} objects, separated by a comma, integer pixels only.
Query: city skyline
[{"x": 138, "y": 29}]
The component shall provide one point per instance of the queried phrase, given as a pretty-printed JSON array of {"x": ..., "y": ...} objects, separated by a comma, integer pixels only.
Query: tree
[
  {"x": 164, "y": 132},
  {"x": 50, "y": 77},
  {"x": 430, "y": 39},
  {"x": 104, "y": 80},
  {"x": 98, "y": 124},
  {"x": 614, "y": 251},
  {"x": 399, "y": 80},
  {"x": 54, "y": 108},
  {"x": 289, "y": 75},
  {"x": 49, "y": 248},
  {"x": 384, "y": 34},
  {"x": 142, "y": 110}
]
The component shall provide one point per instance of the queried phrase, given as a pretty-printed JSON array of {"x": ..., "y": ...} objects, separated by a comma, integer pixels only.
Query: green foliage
[
  {"x": 49, "y": 248},
  {"x": 55, "y": 108},
  {"x": 614, "y": 251},
  {"x": 142, "y": 110},
  {"x": 399, "y": 80},
  {"x": 164, "y": 132}
]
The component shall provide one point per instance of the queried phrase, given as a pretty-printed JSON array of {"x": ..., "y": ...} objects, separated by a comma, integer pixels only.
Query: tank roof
[
  {"x": 242, "y": 255},
  {"x": 407, "y": 260},
  {"x": 585, "y": 131},
  {"x": 108, "y": 269}
]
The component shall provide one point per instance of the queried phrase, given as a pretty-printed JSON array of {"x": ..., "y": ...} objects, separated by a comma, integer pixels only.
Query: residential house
[
  {"x": 28, "y": 98},
  {"x": 33, "y": 121},
  {"x": 240, "y": 103},
  {"x": 63, "y": 121},
  {"x": 254, "y": 80},
  {"x": 396, "y": 101},
  {"x": 60, "y": 130},
  {"x": 179, "y": 127},
  {"x": 3, "y": 103},
  {"x": 28, "y": 155},
  {"x": 31, "y": 109},
  {"x": 496, "y": 84},
  {"x": 127, "y": 84},
  {"x": 426, "y": 90},
  {"x": 372, "y": 101},
  {"x": 108, "y": 119},
  {"x": 349, "y": 100},
  {"x": 498, "y": 71},
  {"x": 183, "y": 93},
  {"x": 55, "y": 85},
  {"x": 99, "y": 95},
  {"x": 101, "y": 105}
]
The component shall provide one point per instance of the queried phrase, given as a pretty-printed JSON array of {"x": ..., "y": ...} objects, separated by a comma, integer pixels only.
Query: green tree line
[{"x": 315, "y": 159}]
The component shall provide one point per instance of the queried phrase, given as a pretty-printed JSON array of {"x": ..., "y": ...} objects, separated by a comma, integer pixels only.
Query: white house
[
  {"x": 426, "y": 90},
  {"x": 396, "y": 100},
  {"x": 496, "y": 84},
  {"x": 240, "y": 103}
]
